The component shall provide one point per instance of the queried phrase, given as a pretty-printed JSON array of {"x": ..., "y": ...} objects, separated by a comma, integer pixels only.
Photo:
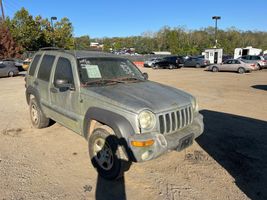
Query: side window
[
  {"x": 229, "y": 62},
  {"x": 34, "y": 65},
  {"x": 45, "y": 67},
  {"x": 257, "y": 58},
  {"x": 237, "y": 62},
  {"x": 64, "y": 70},
  {"x": 2, "y": 65}
]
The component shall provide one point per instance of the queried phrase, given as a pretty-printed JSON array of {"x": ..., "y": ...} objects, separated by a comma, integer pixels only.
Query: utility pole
[
  {"x": 216, "y": 18},
  {"x": 2, "y": 10}
]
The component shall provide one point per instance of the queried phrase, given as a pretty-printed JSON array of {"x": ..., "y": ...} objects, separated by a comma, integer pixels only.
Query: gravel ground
[{"x": 229, "y": 161}]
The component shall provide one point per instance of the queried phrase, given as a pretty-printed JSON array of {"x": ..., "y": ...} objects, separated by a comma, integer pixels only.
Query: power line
[{"x": 8, "y": 8}]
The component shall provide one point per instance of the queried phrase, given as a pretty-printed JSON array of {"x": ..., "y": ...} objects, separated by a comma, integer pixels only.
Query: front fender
[{"x": 119, "y": 124}]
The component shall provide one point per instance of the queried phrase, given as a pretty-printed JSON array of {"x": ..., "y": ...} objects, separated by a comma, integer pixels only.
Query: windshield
[{"x": 97, "y": 70}]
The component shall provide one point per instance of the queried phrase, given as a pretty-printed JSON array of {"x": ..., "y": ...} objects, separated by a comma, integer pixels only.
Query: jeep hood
[{"x": 142, "y": 95}]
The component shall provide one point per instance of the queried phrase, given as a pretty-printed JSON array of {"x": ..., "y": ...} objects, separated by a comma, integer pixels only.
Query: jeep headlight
[
  {"x": 147, "y": 120},
  {"x": 195, "y": 105}
]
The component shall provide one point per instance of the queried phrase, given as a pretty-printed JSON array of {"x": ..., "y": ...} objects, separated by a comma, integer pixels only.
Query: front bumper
[{"x": 164, "y": 143}]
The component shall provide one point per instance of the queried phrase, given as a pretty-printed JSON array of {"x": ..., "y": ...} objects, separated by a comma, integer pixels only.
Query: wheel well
[
  {"x": 94, "y": 124},
  {"x": 29, "y": 97}
]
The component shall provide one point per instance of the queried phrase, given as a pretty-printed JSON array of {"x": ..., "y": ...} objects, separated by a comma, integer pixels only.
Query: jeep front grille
[{"x": 175, "y": 120}]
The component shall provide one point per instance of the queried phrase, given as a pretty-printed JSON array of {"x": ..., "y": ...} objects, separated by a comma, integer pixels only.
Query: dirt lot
[{"x": 229, "y": 161}]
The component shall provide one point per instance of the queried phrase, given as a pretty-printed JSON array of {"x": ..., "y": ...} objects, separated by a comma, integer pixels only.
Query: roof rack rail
[{"x": 50, "y": 48}]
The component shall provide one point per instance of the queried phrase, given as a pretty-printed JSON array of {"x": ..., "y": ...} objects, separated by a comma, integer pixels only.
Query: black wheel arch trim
[
  {"x": 32, "y": 91},
  {"x": 120, "y": 125}
]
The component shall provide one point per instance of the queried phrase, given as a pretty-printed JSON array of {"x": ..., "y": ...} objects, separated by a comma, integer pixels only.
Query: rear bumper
[{"x": 164, "y": 143}]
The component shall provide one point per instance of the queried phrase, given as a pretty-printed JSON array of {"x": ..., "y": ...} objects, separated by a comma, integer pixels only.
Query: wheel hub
[
  {"x": 103, "y": 154},
  {"x": 34, "y": 114}
]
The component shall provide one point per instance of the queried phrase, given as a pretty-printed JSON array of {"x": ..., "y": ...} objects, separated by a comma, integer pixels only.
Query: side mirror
[
  {"x": 60, "y": 83},
  {"x": 145, "y": 75}
]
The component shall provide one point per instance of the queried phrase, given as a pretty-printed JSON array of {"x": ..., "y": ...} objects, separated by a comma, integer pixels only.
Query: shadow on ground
[
  {"x": 260, "y": 87},
  {"x": 110, "y": 189},
  {"x": 106, "y": 189},
  {"x": 239, "y": 144}
]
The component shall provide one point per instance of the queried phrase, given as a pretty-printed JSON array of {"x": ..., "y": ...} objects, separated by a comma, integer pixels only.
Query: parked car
[
  {"x": 26, "y": 63},
  {"x": 8, "y": 68},
  {"x": 169, "y": 62},
  {"x": 149, "y": 63},
  {"x": 196, "y": 62},
  {"x": 226, "y": 57},
  {"x": 18, "y": 62},
  {"x": 124, "y": 117},
  {"x": 261, "y": 62},
  {"x": 233, "y": 65}
]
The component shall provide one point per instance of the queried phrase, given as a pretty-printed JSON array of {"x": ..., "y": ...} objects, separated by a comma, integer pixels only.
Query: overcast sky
[{"x": 99, "y": 18}]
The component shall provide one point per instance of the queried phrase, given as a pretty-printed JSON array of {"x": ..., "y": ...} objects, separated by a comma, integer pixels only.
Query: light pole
[
  {"x": 216, "y": 18},
  {"x": 52, "y": 26}
]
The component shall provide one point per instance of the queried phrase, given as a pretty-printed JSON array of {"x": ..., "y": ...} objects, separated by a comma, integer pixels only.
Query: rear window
[
  {"x": 45, "y": 67},
  {"x": 34, "y": 65}
]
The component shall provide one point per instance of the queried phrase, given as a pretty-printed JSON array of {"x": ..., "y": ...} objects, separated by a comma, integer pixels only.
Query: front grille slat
[
  {"x": 165, "y": 124},
  {"x": 175, "y": 120}
]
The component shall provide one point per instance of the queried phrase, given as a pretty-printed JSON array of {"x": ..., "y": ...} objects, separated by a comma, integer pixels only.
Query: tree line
[
  {"x": 182, "y": 41},
  {"x": 25, "y": 32}
]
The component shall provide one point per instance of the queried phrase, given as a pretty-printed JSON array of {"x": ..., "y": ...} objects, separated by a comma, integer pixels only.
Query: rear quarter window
[
  {"x": 34, "y": 65},
  {"x": 45, "y": 67}
]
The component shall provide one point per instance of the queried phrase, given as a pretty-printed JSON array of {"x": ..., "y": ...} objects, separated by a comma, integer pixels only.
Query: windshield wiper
[
  {"x": 103, "y": 82},
  {"x": 129, "y": 78}
]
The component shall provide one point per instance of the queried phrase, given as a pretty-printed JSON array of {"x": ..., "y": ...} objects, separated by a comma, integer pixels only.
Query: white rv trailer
[{"x": 246, "y": 51}]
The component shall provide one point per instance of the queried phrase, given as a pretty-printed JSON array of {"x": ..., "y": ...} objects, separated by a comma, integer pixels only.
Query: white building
[{"x": 214, "y": 55}]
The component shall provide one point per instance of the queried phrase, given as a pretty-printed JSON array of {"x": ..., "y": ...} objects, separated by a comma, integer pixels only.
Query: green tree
[
  {"x": 63, "y": 34},
  {"x": 82, "y": 43},
  {"x": 26, "y": 31}
]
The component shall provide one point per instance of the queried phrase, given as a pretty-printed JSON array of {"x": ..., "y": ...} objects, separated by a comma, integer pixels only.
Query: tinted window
[
  {"x": 63, "y": 70},
  {"x": 34, "y": 65},
  {"x": 256, "y": 58},
  {"x": 2, "y": 66},
  {"x": 45, "y": 67}
]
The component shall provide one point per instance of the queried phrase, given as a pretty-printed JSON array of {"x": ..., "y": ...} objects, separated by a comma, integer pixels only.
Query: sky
[{"x": 120, "y": 18}]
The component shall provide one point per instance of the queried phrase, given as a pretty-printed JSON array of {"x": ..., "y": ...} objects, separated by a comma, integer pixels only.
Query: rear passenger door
[
  {"x": 65, "y": 101},
  {"x": 42, "y": 83}
]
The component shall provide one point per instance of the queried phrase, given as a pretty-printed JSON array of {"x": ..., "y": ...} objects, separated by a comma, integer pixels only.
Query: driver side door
[{"x": 65, "y": 101}]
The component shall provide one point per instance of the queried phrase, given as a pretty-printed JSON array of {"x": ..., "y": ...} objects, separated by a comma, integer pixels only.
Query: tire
[
  {"x": 171, "y": 66},
  {"x": 105, "y": 155},
  {"x": 215, "y": 69},
  {"x": 241, "y": 70},
  {"x": 198, "y": 65},
  {"x": 38, "y": 119},
  {"x": 155, "y": 67},
  {"x": 11, "y": 74}
]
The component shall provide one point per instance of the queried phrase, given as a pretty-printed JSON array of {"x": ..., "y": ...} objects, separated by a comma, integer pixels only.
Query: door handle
[{"x": 54, "y": 90}]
